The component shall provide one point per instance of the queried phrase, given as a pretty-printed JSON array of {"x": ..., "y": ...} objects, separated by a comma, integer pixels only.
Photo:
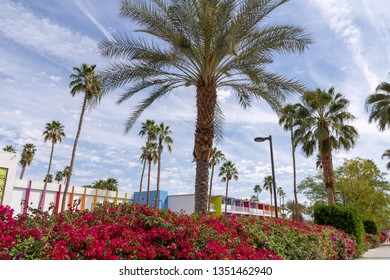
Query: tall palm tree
[
  {"x": 378, "y": 105},
  {"x": 149, "y": 154},
  {"x": 65, "y": 172},
  {"x": 26, "y": 157},
  {"x": 281, "y": 194},
  {"x": 228, "y": 171},
  {"x": 386, "y": 154},
  {"x": 216, "y": 157},
  {"x": 257, "y": 190},
  {"x": 148, "y": 128},
  {"x": 286, "y": 120},
  {"x": 207, "y": 45},
  {"x": 85, "y": 80},
  {"x": 10, "y": 149},
  {"x": 59, "y": 176},
  {"x": 163, "y": 136},
  {"x": 54, "y": 132},
  {"x": 268, "y": 185},
  {"x": 322, "y": 124}
]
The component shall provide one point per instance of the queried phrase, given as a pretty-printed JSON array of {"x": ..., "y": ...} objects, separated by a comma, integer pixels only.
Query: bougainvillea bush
[{"x": 141, "y": 232}]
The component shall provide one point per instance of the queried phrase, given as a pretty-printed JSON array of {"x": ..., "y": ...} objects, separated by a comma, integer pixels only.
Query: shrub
[
  {"x": 141, "y": 232},
  {"x": 370, "y": 227},
  {"x": 345, "y": 218}
]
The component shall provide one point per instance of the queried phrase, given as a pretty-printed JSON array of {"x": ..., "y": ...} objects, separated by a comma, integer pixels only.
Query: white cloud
[
  {"x": 340, "y": 19},
  {"x": 44, "y": 36},
  {"x": 87, "y": 12},
  {"x": 55, "y": 78}
]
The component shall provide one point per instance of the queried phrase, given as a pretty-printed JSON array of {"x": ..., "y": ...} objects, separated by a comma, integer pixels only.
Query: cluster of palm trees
[
  {"x": 84, "y": 80},
  {"x": 214, "y": 44},
  {"x": 268, "y": 186},
  {"x": 157, "y": 135},
  {"x": 321, "y": 123}
]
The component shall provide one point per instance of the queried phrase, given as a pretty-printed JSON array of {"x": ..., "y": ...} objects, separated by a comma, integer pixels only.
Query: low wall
[{"x": 29, "y": 193}]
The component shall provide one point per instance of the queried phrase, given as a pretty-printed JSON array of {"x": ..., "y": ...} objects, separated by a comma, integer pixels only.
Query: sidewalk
[{"x": 380, "y": 253}]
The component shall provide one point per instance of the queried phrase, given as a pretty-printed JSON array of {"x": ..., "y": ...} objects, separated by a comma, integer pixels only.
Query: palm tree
[
  {"x": 65, "y": 172},
  {"x": 257, "y": 190},
  {"x": 26, "y": 157},
  {"x": 208, "y": 45},
  {"x": 48, "y": 178},
  {"x": 147, "y": 128},
  {"x": 386, "y": 154},
  {"x": 254, "y": 198},
  {"x": 267, "y": 185},
  {"x": 163, "y": 136},
  {"x": 287, "y": 118},
  {"x": 228, "y": 171},
  {"x": 322, "y": 123},
  {"x": 281, "y": 194},
  {"x": 149, "y": 154},
  {"x": 10, "y": 149},
  {"x": 54, "y": 132},
  {"x": 295, "y": 211},
  {"x": 85, "y": 80},
  {"x": 216, "y": 157},
  {"x": 59, "y": 176},
  {"x": 378, "y": 105}
]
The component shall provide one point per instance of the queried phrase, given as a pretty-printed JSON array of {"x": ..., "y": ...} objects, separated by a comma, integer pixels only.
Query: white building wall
[{"x": 185, "y": 202}]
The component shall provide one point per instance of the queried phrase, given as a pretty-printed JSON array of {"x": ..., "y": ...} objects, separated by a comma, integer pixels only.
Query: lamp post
[{"x": 262, "y": 139}]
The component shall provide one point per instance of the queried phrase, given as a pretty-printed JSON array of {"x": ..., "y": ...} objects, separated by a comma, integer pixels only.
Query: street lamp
[{"x": 262, "y": 139}]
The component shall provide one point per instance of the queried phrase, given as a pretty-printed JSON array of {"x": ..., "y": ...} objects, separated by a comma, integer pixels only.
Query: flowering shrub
[{"x": 141, "y": 232}]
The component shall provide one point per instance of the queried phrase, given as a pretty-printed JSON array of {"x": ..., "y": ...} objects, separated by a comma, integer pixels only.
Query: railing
[{"x": 246, "y": 210}]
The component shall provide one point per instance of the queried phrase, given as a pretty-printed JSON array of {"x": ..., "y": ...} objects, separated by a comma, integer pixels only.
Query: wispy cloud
[
  {"x": 43, "y": 36},
  {"x": 340, "y": 19},
  {"x": 87, "y": 12}
]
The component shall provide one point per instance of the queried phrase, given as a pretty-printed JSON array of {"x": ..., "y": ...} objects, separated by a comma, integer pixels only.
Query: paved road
[{"x": 380, "y": 253}]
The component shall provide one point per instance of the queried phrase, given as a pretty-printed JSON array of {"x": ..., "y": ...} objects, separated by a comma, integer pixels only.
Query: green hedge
[
  {"x": 345, "y": 218},
  {"x": 370, "y": 227}
]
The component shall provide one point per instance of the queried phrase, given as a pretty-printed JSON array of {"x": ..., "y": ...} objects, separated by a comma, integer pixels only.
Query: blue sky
[{"x": 40, "y": 42}]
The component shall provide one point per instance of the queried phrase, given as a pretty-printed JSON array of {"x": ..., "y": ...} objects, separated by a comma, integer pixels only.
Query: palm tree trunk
[
  {"x": 148, "y": 190},
  {"x": 226, "y": 197},
  {"x": 327, "y": 169},
  {"x": 211, "y": 186},
  {"x": 206, "y": 100},
  {"x": 140, "y": 184},
  {"x": 270, "y": 191},
  {"x": 294, "y": 172},
  {"x": 41, "y": 201},
  {"x": 158, "y": 175},
  {"x": 22, "y": 173},
  {"x": 74, "y": 153}
]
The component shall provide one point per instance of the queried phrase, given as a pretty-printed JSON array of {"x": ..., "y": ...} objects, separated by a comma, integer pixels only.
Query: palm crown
[
  {"x": 322, "y": 122},
  {"x": 54, "y": 132},
  {"x": 378, "y": 105}
]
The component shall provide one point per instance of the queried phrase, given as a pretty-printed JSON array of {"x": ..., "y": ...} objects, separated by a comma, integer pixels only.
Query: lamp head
[{"x": 261, "y": 139}]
